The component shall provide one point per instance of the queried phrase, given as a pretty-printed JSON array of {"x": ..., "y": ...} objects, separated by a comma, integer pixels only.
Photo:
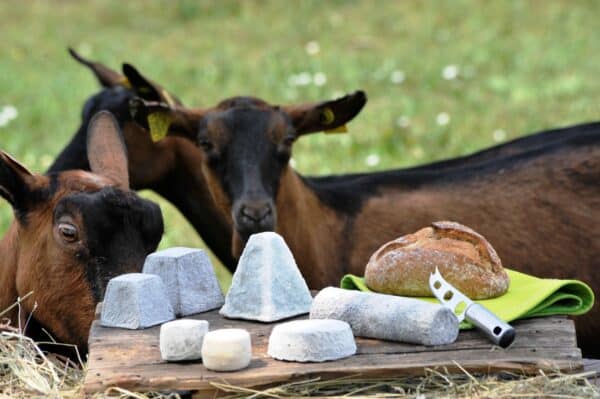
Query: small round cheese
[
  {"x": 227, "y": 349},
  {"x": 311, "y": 341},
  {"x": 182, "y": 339}
]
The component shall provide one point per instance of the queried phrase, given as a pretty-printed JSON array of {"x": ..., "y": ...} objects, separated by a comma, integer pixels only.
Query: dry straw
[{"x": 435, "y": 384}]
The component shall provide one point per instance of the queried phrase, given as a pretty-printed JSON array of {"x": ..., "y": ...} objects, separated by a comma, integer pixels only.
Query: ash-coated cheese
[{"x": 135, "y": 301}]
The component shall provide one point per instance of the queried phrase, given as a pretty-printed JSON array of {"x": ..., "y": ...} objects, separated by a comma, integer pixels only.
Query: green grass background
[{"x": 522, "y": 67}]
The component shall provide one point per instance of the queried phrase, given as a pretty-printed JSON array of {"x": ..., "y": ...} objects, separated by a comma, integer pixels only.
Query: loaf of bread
[{"x": 464, "y": 258}]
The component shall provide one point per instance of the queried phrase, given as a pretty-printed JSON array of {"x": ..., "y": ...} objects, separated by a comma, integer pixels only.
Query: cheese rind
[
  {"x": 182, "y": 339},
  {"x": 228, "y": 349},
  {"x": 311, "y": 341}
]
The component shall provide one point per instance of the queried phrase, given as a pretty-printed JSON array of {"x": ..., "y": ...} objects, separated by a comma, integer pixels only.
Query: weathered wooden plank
[
  {"x": 539, "y": 333},
  {"x": 131, "y": 359},
  {"x": 265, "y": 371}
]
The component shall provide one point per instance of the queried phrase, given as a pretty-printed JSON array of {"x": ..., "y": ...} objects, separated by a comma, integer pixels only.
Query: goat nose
[{"x": 256, "y": 212}]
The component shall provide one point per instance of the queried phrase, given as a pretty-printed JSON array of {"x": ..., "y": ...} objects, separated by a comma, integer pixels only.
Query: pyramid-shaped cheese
[
  {"x": 267, "y": 285},
  {"x": 188, "y": 274}
]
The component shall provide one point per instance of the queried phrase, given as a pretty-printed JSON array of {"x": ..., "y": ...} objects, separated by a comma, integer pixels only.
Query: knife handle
[{"x": 500, "y": 332}]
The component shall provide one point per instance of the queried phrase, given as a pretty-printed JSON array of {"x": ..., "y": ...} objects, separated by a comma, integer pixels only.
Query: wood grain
[{"x": 131, "y": 359}]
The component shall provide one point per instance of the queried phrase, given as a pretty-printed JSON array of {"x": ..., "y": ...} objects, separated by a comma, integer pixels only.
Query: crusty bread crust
[{"x": 464, "y": 258}]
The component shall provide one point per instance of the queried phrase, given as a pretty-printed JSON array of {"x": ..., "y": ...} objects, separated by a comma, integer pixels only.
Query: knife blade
[{"x": 497, "y": 330}]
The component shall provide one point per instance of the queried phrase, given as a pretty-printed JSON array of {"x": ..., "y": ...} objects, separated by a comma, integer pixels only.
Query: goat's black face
[
  {"x": 247, "y": 145},
  {"x": 109, "y": 231}
]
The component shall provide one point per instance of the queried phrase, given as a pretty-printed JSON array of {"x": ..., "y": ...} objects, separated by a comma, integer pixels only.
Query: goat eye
[
  {"x": 205, "y": 144},
  {"x": 290, "y": 136},
  {"x": 68, "y": 232}
]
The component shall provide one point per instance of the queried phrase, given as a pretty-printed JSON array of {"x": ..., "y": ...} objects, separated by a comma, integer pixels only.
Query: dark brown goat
[
  {"x": 72, "y": 232},
  {"x": 537, "y": 199},
  {"x": 168, "y": 167}
]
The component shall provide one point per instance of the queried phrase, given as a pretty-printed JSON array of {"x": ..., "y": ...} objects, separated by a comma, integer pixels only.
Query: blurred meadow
[{"x": 444, "y": 78}]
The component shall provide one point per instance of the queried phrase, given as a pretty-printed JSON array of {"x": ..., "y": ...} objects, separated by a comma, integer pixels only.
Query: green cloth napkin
[{"x": 527, "y": 296}]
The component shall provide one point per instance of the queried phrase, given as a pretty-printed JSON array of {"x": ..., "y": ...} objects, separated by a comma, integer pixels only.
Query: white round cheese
[
  {"x": 182, "y": 339},
  {"x": 227, "y": 349},
  {"x": 311, "y": 341}
]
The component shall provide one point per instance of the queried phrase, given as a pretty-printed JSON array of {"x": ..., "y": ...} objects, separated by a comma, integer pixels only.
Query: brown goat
[
  {"x": 536, "y": 199},
  {"x": 168, "y": 167},
  {"x": 72, "y": 232}
]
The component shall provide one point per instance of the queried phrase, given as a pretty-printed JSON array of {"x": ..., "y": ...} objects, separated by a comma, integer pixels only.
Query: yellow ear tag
[
  {"x": 328, "y": 117},
  {"x": 125, "y": 82},
  {"x": 159, "y": 123},
  {"x": 339, "y": 129}
]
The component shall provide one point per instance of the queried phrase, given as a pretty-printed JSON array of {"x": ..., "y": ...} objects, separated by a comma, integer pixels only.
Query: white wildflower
[
  {"x": 312, "y": 47},
  {"x": 398, "y": 76},
  {"x": 301, "y": 79},
  {"x": 319, "y": 79},
  {"x": 499, "y": 135},
  {"x": 293, "y": 163},
  {"x": 450, "y": 72},
  {"x": 403, "y": 122},
  {"x": 10, "y": 112},
  {"x": 7, "y": 114},
  {"x": 372, "y": 160},
  {"x": 442, "y": 119}
]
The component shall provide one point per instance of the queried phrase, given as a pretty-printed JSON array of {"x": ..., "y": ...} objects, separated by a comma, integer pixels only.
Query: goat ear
[
  {"x": 106, "y": 150},
  {"x": 327, "y": 115},
  {"x": 106, "y": 76},
  {"x": 147, "y": 89},
  {"x": 162, "y": 119},
  {"x": 16, "y": 182}
]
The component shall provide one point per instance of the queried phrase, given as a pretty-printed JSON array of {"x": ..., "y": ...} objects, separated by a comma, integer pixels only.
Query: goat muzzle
[{"x": 254, "y": 217}]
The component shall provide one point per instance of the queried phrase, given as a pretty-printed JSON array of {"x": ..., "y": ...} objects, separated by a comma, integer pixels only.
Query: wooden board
[
  {"x": 592, "y": 366},
  {"x": 131, "y": 359}
]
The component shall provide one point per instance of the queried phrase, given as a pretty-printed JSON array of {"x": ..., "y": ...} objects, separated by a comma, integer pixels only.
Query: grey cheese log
[{"x": 387, "y": 317}]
